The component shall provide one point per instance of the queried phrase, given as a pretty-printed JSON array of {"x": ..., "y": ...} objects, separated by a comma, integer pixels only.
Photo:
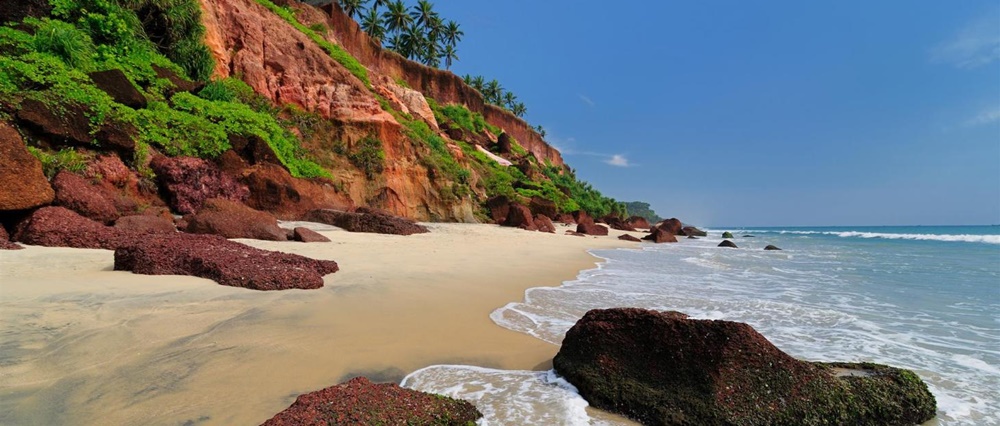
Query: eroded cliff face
[{"x": 281, "y": 63}]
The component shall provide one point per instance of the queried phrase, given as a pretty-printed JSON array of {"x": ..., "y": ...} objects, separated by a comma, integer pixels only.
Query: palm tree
[
  {"x": 377, "y": 4},
  {"x": 372, "y": 25},
  {"x": 509, "y": 100},
  {"x": 351, "y": 7},
  {"x": 395, "y": 43},
  {"x": 450, "y": 55},
  {"x": 452, "y": 33},
  {"x": 423, "y": 13},
  {"x": 413, "y": 42},
  {"x": 493, "y": 92},
  {"x": 519, "y": 110},
  {"x": 396, "y": 17}
]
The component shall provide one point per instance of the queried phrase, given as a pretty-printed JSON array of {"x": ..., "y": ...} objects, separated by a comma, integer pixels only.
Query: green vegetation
[
  {"x": 641, "y": 209},
  {"x": 418, "y": 33},
  {"x": 368, "y": 156},
  {"x": 461, "y": 116},
  {"x": 64, "y": 159},
  {"x": 495, "y": 94},
  {"x": 336, "y": 52}
]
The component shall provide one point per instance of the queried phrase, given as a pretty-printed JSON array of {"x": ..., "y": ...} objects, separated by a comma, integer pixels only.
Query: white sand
[{"x": 83, "y": 344}]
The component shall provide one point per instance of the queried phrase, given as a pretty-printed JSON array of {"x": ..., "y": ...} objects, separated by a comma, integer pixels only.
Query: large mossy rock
[{"x": 662, "y": 368}]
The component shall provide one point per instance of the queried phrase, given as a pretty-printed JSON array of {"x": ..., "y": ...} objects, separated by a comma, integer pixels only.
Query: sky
[{"x": 767, "y": 113}]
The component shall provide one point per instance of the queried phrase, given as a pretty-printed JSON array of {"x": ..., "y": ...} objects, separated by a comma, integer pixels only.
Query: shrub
[
  {"x": 64, "y": 41},
  {"x": 64, "y": 159},
  {"x": 368, "y": 156}
]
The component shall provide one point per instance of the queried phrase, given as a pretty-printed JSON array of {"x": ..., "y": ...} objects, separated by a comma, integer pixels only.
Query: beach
[{"x": 83, "y": 344}]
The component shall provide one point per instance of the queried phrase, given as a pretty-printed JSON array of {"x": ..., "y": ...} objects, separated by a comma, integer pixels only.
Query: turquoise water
[{"x": 923, "y": 298}]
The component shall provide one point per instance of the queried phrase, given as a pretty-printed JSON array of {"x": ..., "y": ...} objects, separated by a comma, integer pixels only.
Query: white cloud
[
  {"x": 985, "y": 117},
  {"x": 586, "y": 100},
  {"x": 618, "y": 160},
  {"x": 975, "y": 45}
]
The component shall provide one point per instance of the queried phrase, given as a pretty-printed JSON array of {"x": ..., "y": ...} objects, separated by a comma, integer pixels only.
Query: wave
[{"x": 966, "y": 238}]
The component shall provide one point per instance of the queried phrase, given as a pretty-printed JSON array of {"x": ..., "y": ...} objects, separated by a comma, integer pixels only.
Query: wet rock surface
[{"x": 727, "y": 243}]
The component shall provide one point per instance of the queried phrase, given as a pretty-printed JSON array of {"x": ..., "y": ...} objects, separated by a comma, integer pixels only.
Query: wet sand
[{"x": 81, "y": 344}]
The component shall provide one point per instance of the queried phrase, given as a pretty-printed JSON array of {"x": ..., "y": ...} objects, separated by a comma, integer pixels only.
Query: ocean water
[{"x": 922, "y": 298}]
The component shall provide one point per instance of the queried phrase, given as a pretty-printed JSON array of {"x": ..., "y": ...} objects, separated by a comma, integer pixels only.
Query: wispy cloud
[
  {"x": 985, "y": 117},
  {"x": 587, "y": 100},
  {"x": 975, "y": 45},
  {"x": 618, "y": 160}
]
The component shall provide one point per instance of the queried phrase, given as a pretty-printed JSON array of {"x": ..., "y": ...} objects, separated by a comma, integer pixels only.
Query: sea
[{"x": 925, "y": 298}]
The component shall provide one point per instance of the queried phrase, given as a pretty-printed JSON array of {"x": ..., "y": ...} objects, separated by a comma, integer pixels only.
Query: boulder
[
  {"x": 188, "y": 182},
  {"x": 62, "y": 227},
  {"x": 273, "y": 189},
  {"x": 567, "y": 219},
  {"x": 226, "y": 262},
  {"x": 672, "y": 225},
  {"x": 181, "y": 84},
  {"x": 542, "y": 206},
  {"x": 234, "y": 220},
  {"x": 145, "y": 224},
  {"x": 307, "y": 235},
  {"x": 627, "y": 237},
  {"x": 17, "y": 10},
  {"x": 254, "y": 150},
  {"x": 692, "y": 237},
  {"x": 75, "y": 193},
  {"x": 367, "y": 220},
  {"x": 618, "y": 223},
  {"x": 591, "y": 229},
  {"x": 5, "y": 243},
  {"x": 114, "y": 83},
  {"x": 694, "y": 232},
  {"x": 727, "y": 243},
  {"x": 574, "y": 233},
  {"x": 117, "y": 136},
  {"x": 499, "y": 207},
  {"x": 22, "y": 183},
  {"x": 771, "y": 247},
  {"x": 544, "y": 224},
  {"x": 361, "y": 402},
  {"x": 519, "y": 216},
  {"x": 638, "y": 222},
  {"x": 504, "y": 144},
  {"x": 727, "y": 234},
  {"x": 581, "y": 216},
  {"x": 662, "y": 368},
  {"x": 748, "y": 236},
  {"x": 67, "y": 125},
  {"x": 659, "y": 235}
]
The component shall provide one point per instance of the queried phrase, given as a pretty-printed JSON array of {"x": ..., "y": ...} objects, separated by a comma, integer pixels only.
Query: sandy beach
[{"x": 83, "y": 344}]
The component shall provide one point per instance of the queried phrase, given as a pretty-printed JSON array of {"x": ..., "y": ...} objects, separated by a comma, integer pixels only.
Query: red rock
[
  {"x": 62, "y": 227},
  {"x": 542, "y": 206},
  {"x": 638, "y": 222},
  {"x": 361, "y": 402},
  {"x": 672, "y": 225},
  {"x": 234, "y": 220},
  {"x": 367, "y": 220},
  {"x": 181, "y": 84},
  {"x": 520, "y": 217},
  {"x": 114, "y": 83},
  {"x": 499, "y": 207},
  {"x": 591, "y": 229},
  {"x": 307, "y": 235},
  {"x": 146, "y": 224},
  {"x": 616, "y": 222},
  {"x": 581, "y": 216},
  {"x": 694, "y": 232},
  {"x": 544, "y": 224},
  {"x": 5, "y": 243},
  {"x": 22, "y": 183},
  {"x": 69, "y": 124},
  {"x": 627, "y": 237},
  {"x": 567, "y": 219},
  {"x": 75, "y": 193},
  {"x": 226, "y": 262},
  {"x": 575, "y": 234},
  {"x": 189, "y": 181},
  {"x": 254, "y": 150},
  {"x": 659, "y": 235},
  {"x": 504, "y": 144},
  {"x": 274, "y": 190}
]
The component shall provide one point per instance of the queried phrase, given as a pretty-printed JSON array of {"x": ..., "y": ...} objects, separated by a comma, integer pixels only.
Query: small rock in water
[
  {"x": 748, "y": 236},
  {"x": 770, "y": 247},
  {"x": 627, "y": 237},
  {"x": 727, "y": 234},
  {"x": 727, "y": 243}
]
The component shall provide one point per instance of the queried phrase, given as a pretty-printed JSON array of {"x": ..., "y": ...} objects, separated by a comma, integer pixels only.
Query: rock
[
  {"x": 692, "y": 231},
  {"x": 727, "y": 243},
  {"x": 627, "y": 237},
  {"x": 618, "y": 223},
  {"x": 273, "y": 189},
  {"x": 189, "y": 181},
  {"x": 574, "y": 233},
  {"x": 17, "y": 10},
  {"x": 591, "y": 229},
  {"x": 581, "y": 216},
  {"x": 504, "y": 144},
  {"x": 519, "y": 216},
  {"x": 499, "y": 207},
  {"x": 748, "y": 236},
  {"x": 75, "y": 193},
  {"x": 727, "y": 234},
  {"x": 254, "y": 150},
  {"x": 542, "y": 206},
  {"x": 567, "y": 219},
  {"x": 692, "y": 237},
  {"x": 662, "y": 368},
  {"x": 307, "y": 235},
  {"x": 672, "y": 225},
  {"x": 5, "y": 243},
  {"x": 118, "y": 136},
  {"x": 771, "y": 247},
  {"x": 62, "y": 227},
  {"x": 638, "y": 222},
  {"x": 146, "y": 224},
  {"x": 544, "y": 224},
  {"x": 226, "y": 262},
  {"x": 69, "y": 125},
  {"x": 367, "y": 220},
  {"x": 22, "y": 183},
  {"x": 659, "y": 235},
  {"x": 114, "y": 83},
  {"x": 234, "y": 220},
  {"x": 180, "y": 83},
  {"x": 361, "y": 402}
]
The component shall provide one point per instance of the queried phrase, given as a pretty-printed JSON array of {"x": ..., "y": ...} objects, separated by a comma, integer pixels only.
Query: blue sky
[{"x": 760, "y": 113}]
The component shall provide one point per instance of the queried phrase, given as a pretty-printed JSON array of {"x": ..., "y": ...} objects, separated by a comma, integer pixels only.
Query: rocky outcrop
[
  {"x": 567, "y": 219},
  {"x": 771, "y": 247},
  {"x": 542, "y": 206},
  {"x": 75, "y": 193},
  {"x": 662, "y": 368},
  {"x": 273, "y": 189},
  {"x": 519, "y": 216},
  {"x": 627, "y": 237},
  {"x": 22, "y": 182},
  {"x": 618, "y": 223},
  {"x": 226, "y": 262},
  {"x": 544, "y": 224},
  {"x": 591, "y": 229},
  {"x": 660, "y": 235},
  {"x": 61, "y": 227},
  {"x": 727, "y": 243},
  {"x": 361, "y": 402},
  {"x": 234, "y": 220},
  {"x": 115, "y": 84},
  {"x": 672, "y": 225},
  {"x": 188, "y": 182},
  {"x": 145, "y": 224},
  {"x": 5, "y": 243},
  {"x": 367, "y": 220},
  {"x": 307, "y": 235},
  {"x": 499, "y": 207},
  {"x": 581, "y": 216},
  {"x": 694, "y": 232},
  {"x": 638, "y": 222}
]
